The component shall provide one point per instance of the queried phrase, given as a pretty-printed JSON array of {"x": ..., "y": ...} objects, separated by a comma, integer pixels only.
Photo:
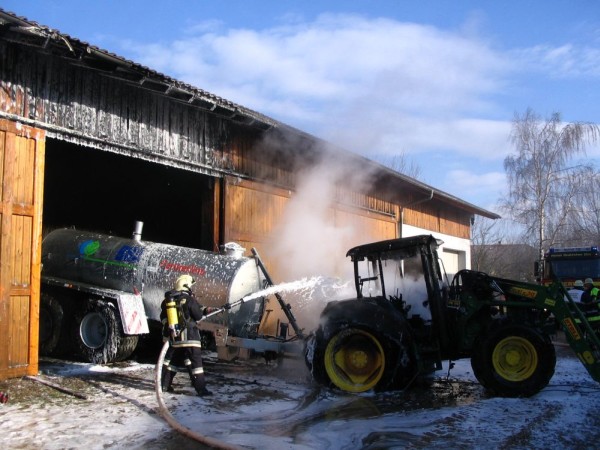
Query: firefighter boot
[
  {"x": 199, "y": 383},
  {"x": 166, "y": 380}
]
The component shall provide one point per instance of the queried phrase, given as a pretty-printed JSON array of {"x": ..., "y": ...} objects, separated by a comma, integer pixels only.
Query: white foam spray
[{"x": 308, "y": 296}]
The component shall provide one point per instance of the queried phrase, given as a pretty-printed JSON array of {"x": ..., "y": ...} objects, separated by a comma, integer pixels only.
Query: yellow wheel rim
[
  {"x": 354, "y": 360},
  {"x": 515, "y": 358}
]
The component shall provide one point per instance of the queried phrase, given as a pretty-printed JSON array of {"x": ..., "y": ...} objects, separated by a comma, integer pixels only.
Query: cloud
[
  {"x": 480, "y": 139},
  {"x": 375, "y": 86},
  {"x": 559, "y": 62},
  {"x": 474, "y": 180},
  {"x": 336, "y": 68},
  {"x": 485, "y": 187}
]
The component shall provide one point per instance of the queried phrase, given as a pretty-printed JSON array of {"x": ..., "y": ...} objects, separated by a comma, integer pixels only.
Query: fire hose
[{"x": 206, "y": 440}]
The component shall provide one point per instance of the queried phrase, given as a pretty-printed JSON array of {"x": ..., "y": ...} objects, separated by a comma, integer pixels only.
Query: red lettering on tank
[{"x": 186, "y": 268}]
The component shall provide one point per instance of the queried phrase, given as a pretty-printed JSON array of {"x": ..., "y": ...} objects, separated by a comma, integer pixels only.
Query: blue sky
[{"x": 439, "y": 81}]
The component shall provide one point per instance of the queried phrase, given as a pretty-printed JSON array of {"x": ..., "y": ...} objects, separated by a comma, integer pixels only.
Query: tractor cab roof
[{"x": 391, "y": 247}]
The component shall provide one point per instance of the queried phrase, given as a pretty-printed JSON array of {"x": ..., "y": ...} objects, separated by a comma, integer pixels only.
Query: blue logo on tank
[{"x": 129, "y": 254}]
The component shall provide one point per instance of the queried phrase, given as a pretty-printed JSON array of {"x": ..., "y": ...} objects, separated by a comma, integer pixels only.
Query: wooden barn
[{"x": 91, "y": 140}]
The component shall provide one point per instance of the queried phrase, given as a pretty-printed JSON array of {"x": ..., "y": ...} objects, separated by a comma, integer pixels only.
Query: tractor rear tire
[
  {"x": 313, "y": 357},
  {"x": 514, "y": 360},
  {"x": 355, "y": 359},
  {"x": 99, "y": 334}
]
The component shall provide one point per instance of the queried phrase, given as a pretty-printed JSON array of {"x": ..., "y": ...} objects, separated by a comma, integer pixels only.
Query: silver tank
[{"x": 151, "y": 269}]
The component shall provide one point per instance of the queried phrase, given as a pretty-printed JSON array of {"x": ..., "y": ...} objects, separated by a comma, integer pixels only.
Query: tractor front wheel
[{"x": 514, "y": 360}]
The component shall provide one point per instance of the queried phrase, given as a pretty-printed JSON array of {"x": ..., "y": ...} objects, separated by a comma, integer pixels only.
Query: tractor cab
[
  {"x": 375, "y": 341},
  {"x": 404, "y": 271}
]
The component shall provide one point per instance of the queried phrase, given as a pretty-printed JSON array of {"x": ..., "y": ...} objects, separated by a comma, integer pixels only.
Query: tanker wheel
[
  {"x": 514, "y": 361},
  {"x": 51, "y": 322},
  {"x": 355, "y": 360},
  {"x": 100, "y": 336}
]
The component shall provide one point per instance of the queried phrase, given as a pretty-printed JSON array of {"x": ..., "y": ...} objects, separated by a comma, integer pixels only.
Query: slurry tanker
[{"x": 100, "y": 293}]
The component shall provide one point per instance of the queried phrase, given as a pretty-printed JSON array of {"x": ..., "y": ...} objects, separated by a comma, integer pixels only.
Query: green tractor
[{"x": 406, "y": 319}]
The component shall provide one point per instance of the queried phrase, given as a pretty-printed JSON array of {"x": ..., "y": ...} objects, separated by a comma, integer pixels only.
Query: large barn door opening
[
  {"x": 21, "y": 186},
  {"x": 95, "y": 190}
]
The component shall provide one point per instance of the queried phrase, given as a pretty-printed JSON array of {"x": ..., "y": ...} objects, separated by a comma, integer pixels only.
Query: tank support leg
[{"x": 287, "y": 310}]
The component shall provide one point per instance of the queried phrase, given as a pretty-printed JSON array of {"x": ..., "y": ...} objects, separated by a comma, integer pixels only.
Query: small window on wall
[{"x": 454, "y": 260}]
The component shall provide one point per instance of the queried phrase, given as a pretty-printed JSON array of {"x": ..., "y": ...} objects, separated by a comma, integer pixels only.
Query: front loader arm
[{"x": 579, "y": 333}]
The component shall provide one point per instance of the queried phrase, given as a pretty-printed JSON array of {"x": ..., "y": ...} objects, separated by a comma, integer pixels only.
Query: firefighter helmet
[{"x": 184, "y": 282}]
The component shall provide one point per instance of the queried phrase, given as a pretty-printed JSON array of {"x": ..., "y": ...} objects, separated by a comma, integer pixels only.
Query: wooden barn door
[
  {"x": 250, "y": 212},
  {"x": 21, "y": 195}
]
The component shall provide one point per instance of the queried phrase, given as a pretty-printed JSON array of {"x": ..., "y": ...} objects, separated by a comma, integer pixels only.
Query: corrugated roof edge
[{"x": 35, "y": 28}]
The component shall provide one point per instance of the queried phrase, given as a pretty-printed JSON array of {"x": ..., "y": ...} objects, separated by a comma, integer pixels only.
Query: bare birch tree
[
  {"x": 498, "y": 251},
  {"x": 584, "y": 223},
  {"x": 538, "y": 178},
  {"x": 484, "y": 234},
  {"x": 402, "y": 164}
]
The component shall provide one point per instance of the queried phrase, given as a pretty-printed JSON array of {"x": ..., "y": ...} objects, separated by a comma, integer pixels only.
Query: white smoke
[
  {"x": 307, "y": 238},
  {"x": 311, "y": 239}
]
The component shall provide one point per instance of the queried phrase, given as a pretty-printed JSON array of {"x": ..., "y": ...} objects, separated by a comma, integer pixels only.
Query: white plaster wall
[{"x": 452, "y": 243}]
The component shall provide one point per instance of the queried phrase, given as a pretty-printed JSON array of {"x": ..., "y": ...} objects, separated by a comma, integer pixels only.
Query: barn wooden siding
[
  {"x": 280, "y": 167},
  {"x": 439, "y": 217},
  {"x": 252, "y": 210},
  {"x": 434, "y": 215},
  {"x": 21, "y": 195}
]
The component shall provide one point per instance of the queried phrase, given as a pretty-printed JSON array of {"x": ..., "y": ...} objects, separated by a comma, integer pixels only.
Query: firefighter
[
  {"x": 590, "y": 294},
  {"x": 179, "y": 313},
  {"x": 576, "y": 291}
]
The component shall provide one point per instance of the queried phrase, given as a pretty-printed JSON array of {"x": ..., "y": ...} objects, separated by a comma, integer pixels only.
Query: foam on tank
[{"x": 150, "y": 268}]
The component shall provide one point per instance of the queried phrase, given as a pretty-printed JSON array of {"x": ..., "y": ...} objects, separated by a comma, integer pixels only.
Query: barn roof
[{"x": 26, "y": 32}]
